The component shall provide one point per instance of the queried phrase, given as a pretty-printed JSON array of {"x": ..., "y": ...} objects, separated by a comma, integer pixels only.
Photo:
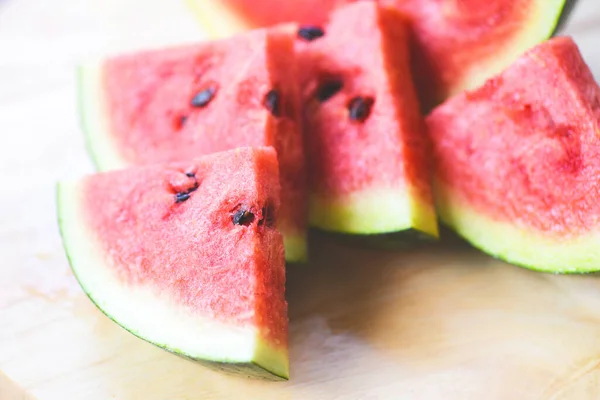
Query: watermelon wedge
[
  {"x": 174, "y": 104},
  {"x": 517, "y": 162},
  {"x": 186, "y": 256},
  {"x": 458, "y": 44},
  {"x": 365, "y": 137}
]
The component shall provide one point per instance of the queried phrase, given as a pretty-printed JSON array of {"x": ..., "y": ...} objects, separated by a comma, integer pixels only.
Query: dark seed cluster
[
  {"x": 244, "y": 217},
  {"x": 182, "y": 196}
]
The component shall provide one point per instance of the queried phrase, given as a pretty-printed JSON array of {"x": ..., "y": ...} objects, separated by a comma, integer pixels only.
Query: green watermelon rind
[
  {"x": 253, "y": 364},
  {"x": 374, "y": 212},
  {"x": 549, "y": 18},
  {"x": 565, "y": 14},
  {"x": 518, "y": 246},
  {"x": 93, "y": 117}
]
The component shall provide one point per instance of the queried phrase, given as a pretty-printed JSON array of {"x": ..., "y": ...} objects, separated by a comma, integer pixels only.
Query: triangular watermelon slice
[
  {"x": 517, "y": 161},
  {"x": 186, "y": 256},
  {"x": 173, "y": 104},
  {"x": 365, "y": 136}
]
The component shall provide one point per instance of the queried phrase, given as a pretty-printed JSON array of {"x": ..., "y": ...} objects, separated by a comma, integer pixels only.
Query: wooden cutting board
[{"x": 440, "y": 322}]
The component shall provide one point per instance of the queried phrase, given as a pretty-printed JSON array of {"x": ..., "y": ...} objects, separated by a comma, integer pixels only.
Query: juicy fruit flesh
[
  {"x": 175, "y": 104},
  {"x": 155, "y": 317},
  {"x": 196, "y": 233},
  {"x": 379, "y": 148},
  {"x": 187, "y": 256},
  {"x": 166, "y": 81},
  {"x": 459, "y": 44},
  {"x": 532, "y": 134}
]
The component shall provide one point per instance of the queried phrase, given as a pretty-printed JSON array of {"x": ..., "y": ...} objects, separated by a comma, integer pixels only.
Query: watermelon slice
[
  {"x": 177, "y": 103},
  {"x": 186, "y": 256},
  {"x": 517, "y": 162},
  {"x": 459, "y": 44},
  {"x": 365, "y": 136}
]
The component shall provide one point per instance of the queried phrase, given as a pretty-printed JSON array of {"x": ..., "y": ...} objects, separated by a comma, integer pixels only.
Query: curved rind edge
[
  {"x": 518, "y": 246},
  {"x": 536, "y": 31},
  {"x": 93, "y": 117},
  {"x": 253, "y": 368},
  {"x": 567, "y": 10}
]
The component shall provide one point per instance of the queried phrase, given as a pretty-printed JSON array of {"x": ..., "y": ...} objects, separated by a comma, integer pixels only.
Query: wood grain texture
[{"x": 441, "y": 322}]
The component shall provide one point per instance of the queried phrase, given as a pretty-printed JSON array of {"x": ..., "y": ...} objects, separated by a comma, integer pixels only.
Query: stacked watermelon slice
[{"x": 216, "y": 157}]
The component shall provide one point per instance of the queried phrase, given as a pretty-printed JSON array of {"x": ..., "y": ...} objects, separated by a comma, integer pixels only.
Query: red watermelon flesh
[
  {"x": 523, "y": 150},
  {"x": 458, "y": 44},
  {"x": 365, "y": 138},
  {"x": 198, "y": 236},
  {"x": 177, "y": 103}
]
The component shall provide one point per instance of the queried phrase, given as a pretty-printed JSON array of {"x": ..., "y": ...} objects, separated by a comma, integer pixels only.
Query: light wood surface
[{"x": 442, "y": 322}]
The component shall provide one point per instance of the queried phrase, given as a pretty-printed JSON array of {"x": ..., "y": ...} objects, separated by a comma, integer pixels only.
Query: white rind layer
[
  {"x": 93, "y": 113},
  {"x": 153, "y": 315}
]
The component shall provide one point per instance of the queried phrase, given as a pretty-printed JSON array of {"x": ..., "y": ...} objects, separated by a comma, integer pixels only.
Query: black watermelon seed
[
  {"x": 242, "y": 217},
  {"x": 204, "y": 96},
  {"x": 272, "y": 102},
  {"x": 181, "y": 197},
  {"x": 310, "y": 32},
  {"x": 328, "y": 89},
  {"x": 360, "y": 107}
]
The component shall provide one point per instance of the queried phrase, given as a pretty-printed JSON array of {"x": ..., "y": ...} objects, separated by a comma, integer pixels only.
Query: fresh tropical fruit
[
  {"x": 186, "y": 256},
  {"x": 365, "y": 136},
  {"x": 517, "y": 162},
  {"x": 177, "y": 103},
  {"x": 458, "y": 44}
]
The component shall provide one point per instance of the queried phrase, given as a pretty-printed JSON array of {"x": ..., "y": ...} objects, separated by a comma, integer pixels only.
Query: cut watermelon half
[
  {"x": 186, "y": 256},
  {"x": 365, "y": 137},
  {"x": 459, "y": 44},
  {"x": 174, "y": 104},
  {"x": 517, "y": 162}
]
